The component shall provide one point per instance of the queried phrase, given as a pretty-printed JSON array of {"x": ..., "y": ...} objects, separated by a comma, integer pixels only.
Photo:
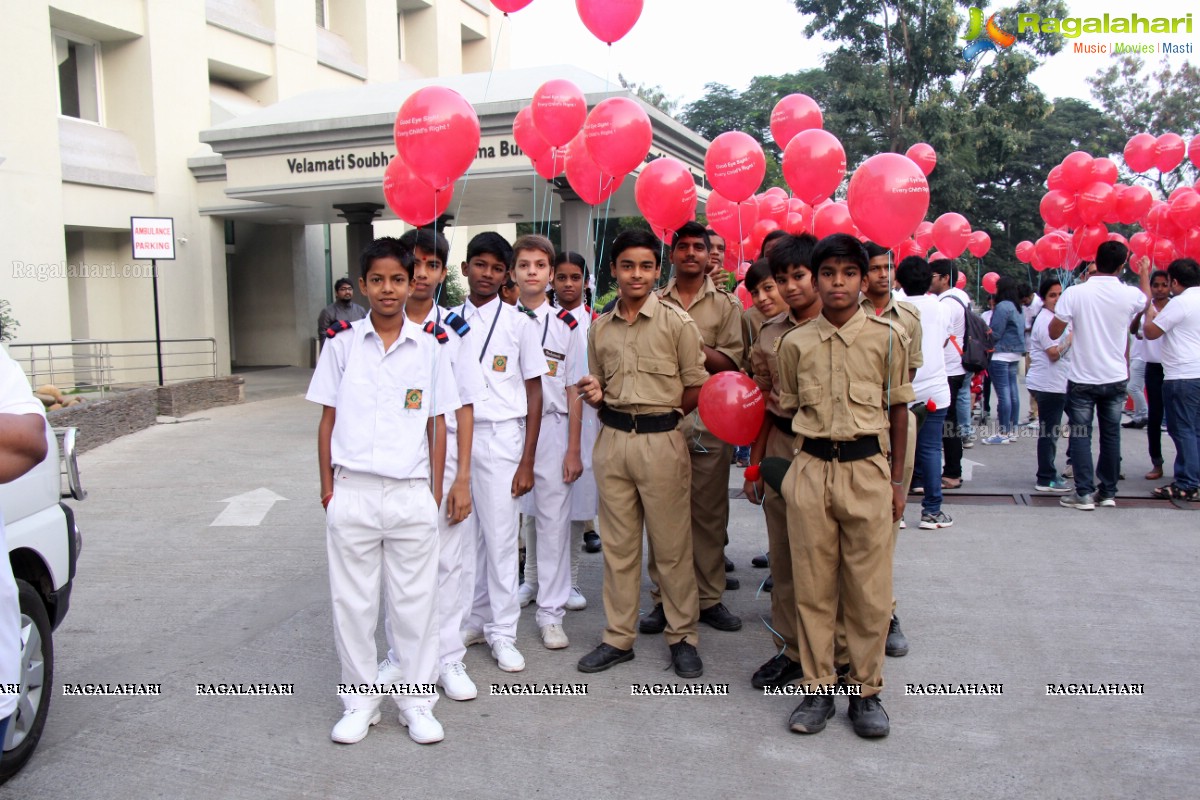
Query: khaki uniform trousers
[
  {"x": 841, "y": 535},
  {"x": 783, "y": 596},
  {"x": 643, "y": 479},
  {"x": 710, "y": 459}
]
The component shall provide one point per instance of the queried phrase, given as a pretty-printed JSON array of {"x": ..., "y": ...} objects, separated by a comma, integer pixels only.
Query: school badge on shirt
[
  {"x": 499, "y": 363},
  {"x": 552, "y": 359},
  {"x": 412, "y": 399}
]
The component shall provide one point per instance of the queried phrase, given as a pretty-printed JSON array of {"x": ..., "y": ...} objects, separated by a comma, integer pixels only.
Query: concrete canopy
[{"x": 292, "y": 162}]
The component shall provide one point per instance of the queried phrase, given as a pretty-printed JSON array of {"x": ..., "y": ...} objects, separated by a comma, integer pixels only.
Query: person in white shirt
[
  {"x": 1047, "y": 381},
  {"x": 954, "y": 307},
  {"x": 1151, "y": 349},
  {"x": 384, "y": 386},
  {"x": 1031, "y": 304},
  {"x": 1179, "y": 327},
  {"x": 1099, "y": 313}
]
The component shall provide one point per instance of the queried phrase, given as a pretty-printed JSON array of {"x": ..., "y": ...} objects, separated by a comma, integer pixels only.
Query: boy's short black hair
[
  {"x": 759, "y": 271},
  {"x": 914, "y": 275},
  {"x": 770, "y": 238},
  {"x": 875, "y": 250},
  {"x": 1024, "y": 290},
  {"x": 636, "y": 237},
  {"x": 1110, "y": 257},
  {"x": 492, "y": 244},
  {"x": 792, "y": 251},
  {"x": 427, "y": 240},
  {"x": 944, "y": 267},
  {"x": 386, "y": 247},
  {"x": 340, "y": 282},
  {"x": 691, "y": 230},
  {"x": 1185, "y": 272},
  {"x": 1046, "y": 285},
  {"x": 840, "y": 245}
]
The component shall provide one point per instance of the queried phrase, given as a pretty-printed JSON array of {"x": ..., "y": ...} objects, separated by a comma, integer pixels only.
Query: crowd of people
[{"x": 441, "y": 429}]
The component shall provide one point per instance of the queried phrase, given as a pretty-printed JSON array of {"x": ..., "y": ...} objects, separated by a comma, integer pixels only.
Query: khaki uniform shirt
[
  {"x": 753, "y": 320},
  {"x": 718, "y": 316},
  {"x": 644, "y": 367},
  {"x": 764, "y": 359},
  {"x": 909, "y": 318},
  {"x": 840, "y": 381}
]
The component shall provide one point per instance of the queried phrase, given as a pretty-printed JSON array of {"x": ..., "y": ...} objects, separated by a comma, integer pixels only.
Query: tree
[{"x": 654, "y": 95}]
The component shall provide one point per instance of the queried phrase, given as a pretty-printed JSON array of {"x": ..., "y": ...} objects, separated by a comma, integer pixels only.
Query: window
[{"x": 78, "y": 77}]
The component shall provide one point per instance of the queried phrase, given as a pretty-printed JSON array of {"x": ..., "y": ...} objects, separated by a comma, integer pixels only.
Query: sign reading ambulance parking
[{"x": 153, "y": 237}]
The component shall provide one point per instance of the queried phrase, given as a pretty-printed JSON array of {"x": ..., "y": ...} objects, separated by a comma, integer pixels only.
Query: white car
[{"x": 43, "y": 548}]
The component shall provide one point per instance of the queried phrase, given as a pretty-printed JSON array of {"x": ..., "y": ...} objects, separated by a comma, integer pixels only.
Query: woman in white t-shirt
[
  {"x": 1047, "y": 380},
  {"x": 1151, "y": 353}
]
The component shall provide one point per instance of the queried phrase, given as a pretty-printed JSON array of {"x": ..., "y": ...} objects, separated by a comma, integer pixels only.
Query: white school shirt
[
  {"x": 15, "y": 398},
  {"x": 956, "y": 316},
  {"x": 1045, "y": 375},
  {"x": 1099, "y": 312},
  {"x": 566, "y": 356},
  {"x": 1151, "y": 348},
  {"x": 930, "y": 381},
  {"x": 1180, "y": 323},
  {"x": 383, "y": 400},
  {"x": 468, "y": 377},
  {"x": 509, "y": 350}
]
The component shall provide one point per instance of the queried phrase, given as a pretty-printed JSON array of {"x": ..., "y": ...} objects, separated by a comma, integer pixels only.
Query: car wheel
[{"x": 37, "y": 681}]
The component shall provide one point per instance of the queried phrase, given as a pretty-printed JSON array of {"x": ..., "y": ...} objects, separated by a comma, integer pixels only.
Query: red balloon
[
  {"x": 1168, "y": 151},
  {"x": 1189, "y": 243},
  {"x": 744, "y": 295},
  {"x": 1096, "y": 201},
  {"x": 795, "y": 224},
  {"x": 1163, "y": 252},
  {"x": 1055, "y": 181},
  {"x": 1036, "y": 262},
  {"x": 778, "y": 191},
  {"x": 559, "y": 111},
  {"x": 888, "y": 198},
  {"x": 792, "y": 114},
  {"x": 1140, "y": 242},
  {"x": 905, "y": 249},
  {"x": 1024, "y": 251},
  {"x": 772, "y": 207},
  {"x": 735, "y": 165},
  {"x": 1133, "y": 203},
  {"x": 732, "y": 407},
  {"x": 532, "y": 143},
  {"x": 950, "y": 232},
  {"x": 509, "y": 6},
  {"x": 1055, "y": 206},
  {"x": 1193, "y": 152},
  {"x": 924, "y": 156},
  {"x": 989, "y": 282},
  {"x": 666, "y": 192},
  {"x": 1077, "y": 170},
  {"x": 1104, "y": 170},
  {"x": 1113, "y": 236},
  {"x": 1087, "y": 239},
  {"x": 551, "y": 163},
  {"x": 1178, "y": 190},
  {"x": 760, "y": 231},
  {"x": 1141, "y": 152},
  {"x": 618, "y": 135},
  {"x": 961, "y": 281},
  {"x": 833, "y": 218},
  {"x": 588, "y": 180},
  {"x": 413, "y": 200},
  {"x": 1159, "y": 222},
  {"x": 609, "y": 20},
  {"x": 814, "y": 163},
  {"x": 979, "y": 243},
  {"x": 437, "y": 135},
  {"x": 937, "y": 255},
  {"x": 732, "y": 220},
  {"x": 1052, "y": 248},
  {"x": 923, "y": 235},
  {"x": 1185, "y": 210}
]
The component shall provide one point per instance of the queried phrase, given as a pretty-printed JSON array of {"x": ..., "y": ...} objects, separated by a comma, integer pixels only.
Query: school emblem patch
[
  {"x": 553, "y": 372},
  {"x": 412, "y": 399},
  {"x": 499, "y": 363}
]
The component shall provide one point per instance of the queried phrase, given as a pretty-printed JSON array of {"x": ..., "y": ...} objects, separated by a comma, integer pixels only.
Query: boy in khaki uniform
[
  {"x": 845, "y": 374},
  {"x": 646, "y": 366},
  {"x": 718, "y": 315}
]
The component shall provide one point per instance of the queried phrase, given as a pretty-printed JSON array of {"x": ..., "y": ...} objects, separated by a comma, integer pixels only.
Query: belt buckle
[
  {"x": 636, "y": 427},
  {"x": 835, "y": 451}
]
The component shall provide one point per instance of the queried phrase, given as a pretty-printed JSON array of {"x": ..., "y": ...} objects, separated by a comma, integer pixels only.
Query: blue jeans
[
  {"x": 928, "y": 460},
  {"x": 1105, "y": 401},
  {"x": 962, "y": 405},
  {"x": 1182, "y": 400},
  {"x": 1050, "y": 413},
  {"x": 1008, "y": 400}
]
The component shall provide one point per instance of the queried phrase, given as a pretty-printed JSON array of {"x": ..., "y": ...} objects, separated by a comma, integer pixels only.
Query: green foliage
[
  {"x": 8, "y": 323},
  {"x": 654, "y": 95},
  {"x": 453, "y": 291}
]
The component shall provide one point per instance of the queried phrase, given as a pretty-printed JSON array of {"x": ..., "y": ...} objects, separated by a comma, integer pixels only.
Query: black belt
[
  {"x": 784, "y": 424},
  {"x": 853, "y": 450},
  {"x": 639, "y": 423}
]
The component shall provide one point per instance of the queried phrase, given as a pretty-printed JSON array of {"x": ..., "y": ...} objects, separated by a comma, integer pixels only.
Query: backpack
[{"x": 977, "y": 344}]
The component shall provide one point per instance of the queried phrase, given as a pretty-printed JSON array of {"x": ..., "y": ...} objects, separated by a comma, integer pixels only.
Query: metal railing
[{"x": 101, "y": 365}]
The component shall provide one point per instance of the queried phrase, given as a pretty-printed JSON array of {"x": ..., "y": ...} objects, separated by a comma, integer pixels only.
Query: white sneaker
[
  {"x": 389, "y": 673},
  {"x": 576, "y": 601},
  {"x": 526, "y": 594},
  {"x": 996, "y": 439},
  {"x": 423, "y": 727},
  {"x": 354, "y": 725},
  {"x": 554, "y": 637},
  {"x": 456, "y": 683},
  {"x": 903, "y": 525},
  {"x": 508, "y": 658},
  {"x": 471, "y": 636}
]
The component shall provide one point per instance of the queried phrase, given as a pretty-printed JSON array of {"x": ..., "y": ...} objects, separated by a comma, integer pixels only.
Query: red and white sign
[{"x": 153, "y": 237}]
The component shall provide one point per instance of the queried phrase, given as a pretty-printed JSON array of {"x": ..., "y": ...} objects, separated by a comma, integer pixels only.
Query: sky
[{"x": 681, "y": 45}]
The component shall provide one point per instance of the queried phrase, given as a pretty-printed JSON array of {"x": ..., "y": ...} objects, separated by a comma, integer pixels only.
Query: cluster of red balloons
[{"x": 608, "y": 20}]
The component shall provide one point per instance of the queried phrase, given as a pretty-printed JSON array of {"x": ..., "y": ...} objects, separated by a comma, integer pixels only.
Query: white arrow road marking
[
  {"x": 968, "y": 468},
  {"x": 246, "y": 510}
]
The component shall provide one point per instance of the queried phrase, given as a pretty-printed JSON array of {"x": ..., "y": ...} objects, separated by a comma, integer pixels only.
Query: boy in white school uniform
[
  {"x": 385, "y": 387},
  {"x": 507, "y": 344},
  {"x": 430, "y": 250},
  {"x": 559, "y": 461}
]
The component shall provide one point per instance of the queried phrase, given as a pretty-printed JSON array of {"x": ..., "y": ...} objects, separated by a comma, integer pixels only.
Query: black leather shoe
[
  {"x": 869, "y": 718},
  {"x": 686, "y": 660},
  {"x": 729, "y": 566},
  {"x": 655, "y": 621},
  {"x": 604, "y": 657},
  {"x": 732, "y": 584},
  {"x": 591, "y": 542},
  {"x": 769, "y": 583},
  {"x": 897, "y": 642},
  {"x": 719, "y": 617},
  {"x": 843, "y": 674},
  {"x": 761, "y": 562},
  {"x": 813, "y": 712},
  {"x": 779, "y": 671}
]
